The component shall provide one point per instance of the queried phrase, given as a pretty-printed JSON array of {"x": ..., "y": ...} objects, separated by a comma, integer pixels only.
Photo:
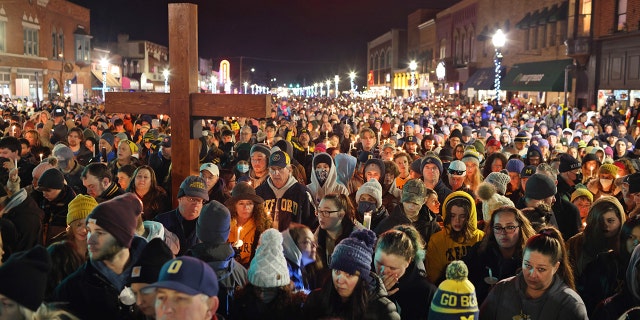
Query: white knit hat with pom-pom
[
  {"x": 268, "y": 268},
  {"x": 491, "y": 199}
]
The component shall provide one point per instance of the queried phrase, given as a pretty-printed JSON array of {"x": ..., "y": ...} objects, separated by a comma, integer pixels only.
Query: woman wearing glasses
[
  {"x": 544, "y": 289},
  {"x": 336, "y": 216},
  {"x": 499, "y": 254}
]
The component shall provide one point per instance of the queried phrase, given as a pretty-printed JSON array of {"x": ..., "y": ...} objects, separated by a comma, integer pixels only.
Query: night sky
[{"x": 301, "y": 41}]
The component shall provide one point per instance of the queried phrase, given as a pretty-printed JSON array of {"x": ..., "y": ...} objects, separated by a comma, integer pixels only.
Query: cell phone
[{"x": 104, "y": 154}]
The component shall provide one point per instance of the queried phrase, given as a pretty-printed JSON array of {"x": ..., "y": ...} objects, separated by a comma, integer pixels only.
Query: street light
[
  {"x": 328, "y": 82},
  {"x": 246, "y": 84},
  {"x": 413, "y": 65},
  {"x": 165, "y": 74},
  {"x": 104, "y": 64},
  {"x": 336, "y": 78},
  {"x": 498, "y": 40},
  {"x": 214, "y": 80},
  {"x": 352, "y": 77}
]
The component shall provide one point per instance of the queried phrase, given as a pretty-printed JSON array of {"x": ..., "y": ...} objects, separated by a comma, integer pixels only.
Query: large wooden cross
[{"x": 184, "y": 104}]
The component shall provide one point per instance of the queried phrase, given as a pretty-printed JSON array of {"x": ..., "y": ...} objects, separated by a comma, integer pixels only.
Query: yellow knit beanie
[{"x": 80, "y": 207}]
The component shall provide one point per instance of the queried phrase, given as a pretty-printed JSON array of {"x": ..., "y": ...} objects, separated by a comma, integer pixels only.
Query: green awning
[
  {"x": 559, "y": 13},
  {"x": 482, "y": 79},
  {"x": 524, "y": 23},
  {"x": 547, "y": 76},
  {"x": 542, "y": 18}
]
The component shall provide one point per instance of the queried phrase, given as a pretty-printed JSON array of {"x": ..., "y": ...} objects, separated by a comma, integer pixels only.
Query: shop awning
[
  {"x": 547, "y": 76},
  {"x": 111, "y": 80},
  {"x": 559, "y": 13},
  {"x": 524, "y": 23},
  {"x": 482, "y": 79}
]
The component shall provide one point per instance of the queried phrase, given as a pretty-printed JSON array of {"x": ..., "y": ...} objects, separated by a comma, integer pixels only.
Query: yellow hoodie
[{"x": 442, "y": 249}]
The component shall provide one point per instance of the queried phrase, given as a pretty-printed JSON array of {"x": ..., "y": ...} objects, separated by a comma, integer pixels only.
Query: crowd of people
[{"x": 341, "y": 208}]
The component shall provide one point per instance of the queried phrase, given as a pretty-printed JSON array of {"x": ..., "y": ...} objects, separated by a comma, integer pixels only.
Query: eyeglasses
[
  {"x": 507, "y": 229},
  {"x": 325, "y": 213},
  {"x": 456, "y": 172}
]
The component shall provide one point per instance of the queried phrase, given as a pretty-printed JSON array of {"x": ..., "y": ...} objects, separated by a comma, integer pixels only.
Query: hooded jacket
[
  {"x": 231, "y": 274},
  {"x": 345, "y": 167},
  {"x": 292, "y": 202},
  {"x": 442, "y": 249},
  {"x": 293, "y": 256},
  {"x": 331, "y": 185},
  {"x": 612, "y": 308},
  {"x": 507, "y": 300}
]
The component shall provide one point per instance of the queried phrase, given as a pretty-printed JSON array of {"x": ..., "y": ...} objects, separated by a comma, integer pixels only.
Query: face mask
[
  {"x": 606, "y": 183},
  {"x": 365, "y": 206},
  {"x": 578, "y": 178},
  {"x": 322, "y": 175},
  {"x": 244, "y": 168}
]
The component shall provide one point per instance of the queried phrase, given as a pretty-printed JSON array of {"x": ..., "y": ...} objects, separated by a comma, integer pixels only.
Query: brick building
[{"x": 44, "y": 47}]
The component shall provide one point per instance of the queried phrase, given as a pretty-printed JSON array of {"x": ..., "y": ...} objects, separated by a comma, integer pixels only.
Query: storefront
[{"x": 539, "y": 82}]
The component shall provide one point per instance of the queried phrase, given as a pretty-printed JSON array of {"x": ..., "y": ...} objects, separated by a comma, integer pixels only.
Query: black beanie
[
  {"x": 23, "y": 278},
  {"x": 568, "y": 163},
  {"x": 151, "y": 260},
  {"x": 214, "y": 223},
  {"x": 323, "y": 158},
  {"x": 51, "y": 179},
  {"x": 540, "y": 186},
  {"x": 119, "y": 217}
]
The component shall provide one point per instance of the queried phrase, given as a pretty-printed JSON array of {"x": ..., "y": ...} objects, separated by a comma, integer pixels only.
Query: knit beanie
[
  {"x": 456, "y": 296},
  {"x": 539, "y": 186},
  {"x": 355, "y": 253},
  {"x": 582, "y": 192},
  {"x": 568, "y": 163},
  {"x": 108, "y": 137},
  {"x": 456, "y": 134},
  {"x": 372, "y": 188},
  {"x": 515, "y": 165},
  {"x": 45, "y": 165},
  {"x": 262, "y": 148},
  {"x": 132, "y": 146},
  {"x": 213, "y": 225},
  {"x": 608, "y": 168},
  {"x": 479, "y": 147},
  {"x": 268, "y": 267},
  {"x": 414, "y": 191},
  {"x": 51, "y": 179},
  {"x": 500, "y": 180},
  {"x": 118, "y": 216},
  {"x": 433, "y": 160},
  {"x": 23, "y": 278},
  {"x": 322, "y": 158},
  {"x": 151, "y": 260},
  {"x": 80, "y": 207},
  {"x": 534, "y": 151},
  {"x": 446, "y": 154},
  {"x": 416, "y": 166},
  {"x": 378, "y": 163},
  {"x": 491, "y": 200},
  {"x": 470, "y": 154}
]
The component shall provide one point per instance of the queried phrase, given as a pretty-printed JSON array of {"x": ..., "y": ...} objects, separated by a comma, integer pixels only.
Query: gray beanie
[
  {"x": 539, "y": 187},
  {"x": 213, "y": 225},
  {"x": 262, "y": 148},
  {"x": 500, "y": 180},
  {"x": 372, "y": 188}
]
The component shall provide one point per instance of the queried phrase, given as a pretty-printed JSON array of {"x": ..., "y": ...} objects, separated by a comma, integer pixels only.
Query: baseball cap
[
  {"x": 188, "y": 275},
  {"x": 212, "y": 168},
  {"x": 279, "y": 159},
  {"x": 527, "y": 171},
  {"x": 457, "y": 168},
  {"x": 166, "y": 142}
]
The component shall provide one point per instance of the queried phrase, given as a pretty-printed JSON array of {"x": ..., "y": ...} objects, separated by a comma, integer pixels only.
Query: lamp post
[
  {"x": 413, "y": 65},
  {"x": 352, "y": 77},
  {"x": 441, "y": 73},
  {"x": 328, "y": 82},
  {"x": 336, "y": 78},
  {"x": 246, "y": 84},
  {"x": 104, "y": 64},
  {"x": 214, "y": 80},
  {"x": 165, "y": 74},
  {"x": 498, "y": 40}
]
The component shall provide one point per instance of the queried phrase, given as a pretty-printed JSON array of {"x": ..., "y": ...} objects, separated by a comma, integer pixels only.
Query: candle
[
  {"x": 94, "y": 153},
  {"x": 367, "y": 220},
  {"x": 41, "y": 157},
  {"x": 326, "y": 134},
  {"x": 15, "y": 162},
  {"x": 239, "y": 229},
  {"x": 379, "y": 136},
  {"x": 490, "y": 273},
  {"x": 13, "y": 130},
  {"x": 307, "y": 150},
  {"x": 160, "y": 117}
]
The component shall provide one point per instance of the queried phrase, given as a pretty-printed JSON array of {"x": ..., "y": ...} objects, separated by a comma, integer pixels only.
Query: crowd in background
[{"x": 348, "y": 208}]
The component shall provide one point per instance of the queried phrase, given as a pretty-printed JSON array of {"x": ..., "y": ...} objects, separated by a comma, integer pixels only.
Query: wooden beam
[
  {"x": 137, "y": 102},
  {"x": 225, "y": 105},
  {"x": 183, "y": 64}
]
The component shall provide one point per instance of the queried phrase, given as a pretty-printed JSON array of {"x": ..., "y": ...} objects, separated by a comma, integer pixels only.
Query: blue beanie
[
  {"x": 515, "y": 165},
  {"x": 433, "y": 160},
  {"x": 355, "y": 253}
]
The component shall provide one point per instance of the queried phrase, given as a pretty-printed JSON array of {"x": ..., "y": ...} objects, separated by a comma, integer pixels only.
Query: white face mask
[{"x": 606, "y": 183}]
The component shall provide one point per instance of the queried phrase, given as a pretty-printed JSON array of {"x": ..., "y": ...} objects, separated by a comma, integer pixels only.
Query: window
[
  {"x": 534, "y": 37},
  {"x": 527, "y": 35},
  {"x": 384, "y": 62},
  {"x": 3, "y": 35},
  {"x": 584, "y": 21},
  {"x": 443, "y": 49},
  {"x": 60, "y": 44},
  {"x": 553, "y": 29},
  {"x": 622, "y": 15},
  {"x": 543, "y": 41},
  {"x": 83, "y": 48},
  {"x": 54, "y": 44},
  {"x": 31, "y": 47},
  {"x": 389, "y": 59}
]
